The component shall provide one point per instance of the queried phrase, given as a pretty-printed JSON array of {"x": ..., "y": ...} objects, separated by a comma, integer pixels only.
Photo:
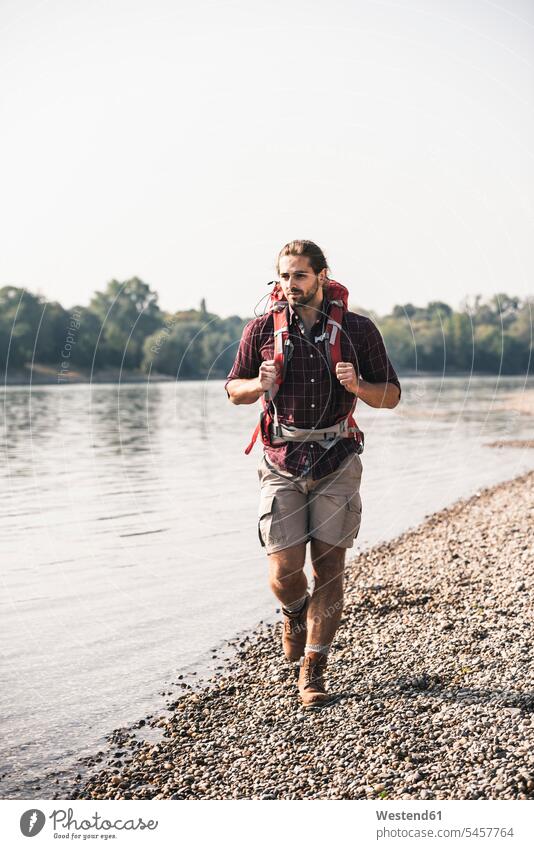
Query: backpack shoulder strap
[
  {"x": 281, "y": 339},
  {"x": 333, "y": 332}
]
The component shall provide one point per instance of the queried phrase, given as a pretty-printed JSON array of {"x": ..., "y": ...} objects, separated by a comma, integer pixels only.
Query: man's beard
[{"x": 303, "y": 300}]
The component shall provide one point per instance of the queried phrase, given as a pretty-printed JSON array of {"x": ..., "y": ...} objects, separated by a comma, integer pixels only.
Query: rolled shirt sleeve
[
  {"x": 248, "y": 359},
  {"x": 373, "y": 361}
]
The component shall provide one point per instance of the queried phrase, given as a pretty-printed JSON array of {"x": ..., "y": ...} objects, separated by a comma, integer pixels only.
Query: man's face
[{"x": 300, "y": 284}]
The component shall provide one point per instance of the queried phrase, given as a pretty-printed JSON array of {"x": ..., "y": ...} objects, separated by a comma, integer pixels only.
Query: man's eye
[{"x": 299, "y": 275}]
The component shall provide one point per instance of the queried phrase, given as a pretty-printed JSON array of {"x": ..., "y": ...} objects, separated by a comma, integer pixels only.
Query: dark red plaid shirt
[{"x": 311, "y": 396}]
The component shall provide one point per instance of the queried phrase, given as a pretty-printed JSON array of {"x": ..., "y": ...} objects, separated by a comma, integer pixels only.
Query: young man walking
[{"x": 310, "y": 478}]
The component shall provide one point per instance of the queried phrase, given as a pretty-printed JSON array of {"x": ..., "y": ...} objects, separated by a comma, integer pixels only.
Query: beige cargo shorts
[{"x": 294, "y": 509}]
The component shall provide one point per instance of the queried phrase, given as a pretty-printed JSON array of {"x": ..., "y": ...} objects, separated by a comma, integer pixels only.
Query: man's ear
[{"x": 323, "y": 276}]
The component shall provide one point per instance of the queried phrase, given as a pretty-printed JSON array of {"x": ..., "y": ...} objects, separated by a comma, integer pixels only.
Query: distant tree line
[
  {"x": 492, "y": 336},
  {"x": 123, "y": 327}
]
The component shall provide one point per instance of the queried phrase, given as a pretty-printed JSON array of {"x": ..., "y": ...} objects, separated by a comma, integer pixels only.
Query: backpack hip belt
[{"x": 284, "y": 433}]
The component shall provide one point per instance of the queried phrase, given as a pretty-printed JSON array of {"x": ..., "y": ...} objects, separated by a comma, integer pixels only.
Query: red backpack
[{"x": 337, "y": 306}]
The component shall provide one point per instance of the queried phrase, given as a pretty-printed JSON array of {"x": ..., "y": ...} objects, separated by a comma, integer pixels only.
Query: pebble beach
[{"x": 433, "y": 669}]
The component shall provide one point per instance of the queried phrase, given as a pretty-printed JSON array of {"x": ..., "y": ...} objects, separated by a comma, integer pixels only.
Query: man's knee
[
  {"x": 286, "y": 566},
  {"x": 328, "y": 561}
]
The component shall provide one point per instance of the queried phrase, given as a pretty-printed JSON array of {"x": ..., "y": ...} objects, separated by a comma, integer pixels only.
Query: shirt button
[
  {"x": 311, "y": 355},
  {"x": 312, "y": 380},
  {"x": 312, "y": 445},
  {"x": 313, "y": 405}
]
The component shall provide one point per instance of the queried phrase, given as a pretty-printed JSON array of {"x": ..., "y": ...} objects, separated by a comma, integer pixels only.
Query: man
[{"x": 310, "y": 489}]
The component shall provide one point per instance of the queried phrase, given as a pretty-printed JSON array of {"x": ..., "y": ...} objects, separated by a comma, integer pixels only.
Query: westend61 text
[{"x": 408, "y": 815}]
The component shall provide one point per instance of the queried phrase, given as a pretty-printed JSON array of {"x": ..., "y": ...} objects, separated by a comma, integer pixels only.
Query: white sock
[
  {"x": 315, "y": 647},
  {"x": 295, "y": 606}
]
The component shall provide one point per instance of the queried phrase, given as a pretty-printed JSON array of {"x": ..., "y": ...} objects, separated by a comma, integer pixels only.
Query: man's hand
[
  {"x": 249, "y": 390},
  {"x": 346, "y": 375},
  {"x": 267, "y": 375}
]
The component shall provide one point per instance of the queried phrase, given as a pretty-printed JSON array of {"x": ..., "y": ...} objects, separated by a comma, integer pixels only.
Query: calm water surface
[{"x": 129, "y": 542}]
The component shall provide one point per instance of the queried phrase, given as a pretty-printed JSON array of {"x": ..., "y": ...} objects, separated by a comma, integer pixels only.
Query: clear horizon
[{"x": 186, "y": 144}]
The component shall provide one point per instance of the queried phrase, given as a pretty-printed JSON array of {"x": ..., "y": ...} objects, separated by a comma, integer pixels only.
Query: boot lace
[
  {"x": 313, "y": 675},
  {"x": 294, "y": 625}
]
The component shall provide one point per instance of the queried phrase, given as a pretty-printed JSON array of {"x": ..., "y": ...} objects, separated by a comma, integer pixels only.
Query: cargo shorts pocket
[
  {"x": 353, "y": 517},
  {"x": 270, "y": 530}
]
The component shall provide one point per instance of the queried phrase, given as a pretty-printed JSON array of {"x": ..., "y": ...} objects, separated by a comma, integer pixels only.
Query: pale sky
[{"x": 186, "y": 142}]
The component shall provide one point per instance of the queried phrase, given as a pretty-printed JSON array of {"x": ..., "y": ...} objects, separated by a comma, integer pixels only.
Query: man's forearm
[
  {"x": 378, "y": 394},
  {"x": 243, "y": 391}
]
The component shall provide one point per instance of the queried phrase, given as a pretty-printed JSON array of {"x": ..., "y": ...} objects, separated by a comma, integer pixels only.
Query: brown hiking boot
[
  {"x": 311, "y": 681},
  {"x": 294, "y": 632}
]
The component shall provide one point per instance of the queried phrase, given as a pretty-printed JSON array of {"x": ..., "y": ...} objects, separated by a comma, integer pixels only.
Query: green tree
[
  {"x": 128, "y": 313},
  {"x": 438, "y": 308},
  {"x": 52, "y": 333},
  {"x": 399, "y": 341},
  {"x": 20, "y": 313},
  {"x": 194, "y": 348}
]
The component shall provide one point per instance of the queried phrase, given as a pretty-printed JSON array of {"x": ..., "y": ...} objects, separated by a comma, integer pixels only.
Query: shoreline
[
  {"x": 41, "y": 375},
  {"x": 433, "y": 666},
  {"x": 45, "y": 375}
]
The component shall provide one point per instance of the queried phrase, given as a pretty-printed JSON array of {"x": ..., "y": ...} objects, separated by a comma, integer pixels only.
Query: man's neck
[{"x": 310, "y": 313}]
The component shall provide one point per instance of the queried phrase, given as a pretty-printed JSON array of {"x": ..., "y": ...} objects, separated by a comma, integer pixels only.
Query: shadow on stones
[
  {"x": 437, "y": 687},
  {"x": 381, "y": 599}
]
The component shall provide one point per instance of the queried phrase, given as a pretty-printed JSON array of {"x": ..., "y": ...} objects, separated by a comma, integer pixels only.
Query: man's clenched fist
[
  {"x": 346, "y": 375},
  {"x": 267, "y": 375}
]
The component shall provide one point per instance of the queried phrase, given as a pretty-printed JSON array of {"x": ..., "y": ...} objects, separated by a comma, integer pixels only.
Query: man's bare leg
[
  {"x": 290, "y": 586},
  {"x": 324, "y": 614},
  {"x": 326, "y": 604},
  {"x": 286, "y": 574}
]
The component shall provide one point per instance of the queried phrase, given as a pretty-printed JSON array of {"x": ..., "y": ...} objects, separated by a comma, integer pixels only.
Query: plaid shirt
[{"x": 311, "y": 396}]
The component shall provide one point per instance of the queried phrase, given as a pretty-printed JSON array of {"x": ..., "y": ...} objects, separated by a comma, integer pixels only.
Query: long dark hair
[{"x": 303, "y": 247}]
